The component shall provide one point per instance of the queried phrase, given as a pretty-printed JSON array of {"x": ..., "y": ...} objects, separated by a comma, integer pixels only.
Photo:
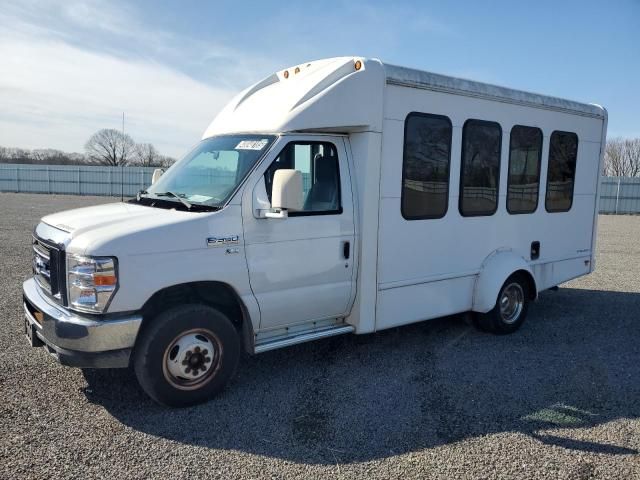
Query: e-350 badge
[{"x": 223, "y": 241}]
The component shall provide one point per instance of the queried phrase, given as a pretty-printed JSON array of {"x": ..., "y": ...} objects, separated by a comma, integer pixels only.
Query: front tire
[
  {"x": 186, "y": 355},
  {"x": 511, "y": 308}
]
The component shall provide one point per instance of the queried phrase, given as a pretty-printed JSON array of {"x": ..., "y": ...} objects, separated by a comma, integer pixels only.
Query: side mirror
[
  {"x": 286, "y": 194},
  {"x": 157, "y": 173}
]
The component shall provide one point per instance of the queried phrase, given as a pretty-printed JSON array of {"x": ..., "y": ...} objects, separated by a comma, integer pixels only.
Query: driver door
[{"x": 301, "y": 267}]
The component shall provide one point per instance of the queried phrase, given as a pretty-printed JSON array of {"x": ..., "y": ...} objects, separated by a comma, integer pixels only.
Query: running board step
[{"x": 280, "y": 342}]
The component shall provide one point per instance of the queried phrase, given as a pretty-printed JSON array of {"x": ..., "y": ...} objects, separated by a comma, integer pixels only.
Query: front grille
[
  {"x": 42, "y": 265},
  {"x": 48, "y": 268}
]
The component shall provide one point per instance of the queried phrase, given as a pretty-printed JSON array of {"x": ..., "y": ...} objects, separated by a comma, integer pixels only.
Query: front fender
[{"x": 495, "y": 269}]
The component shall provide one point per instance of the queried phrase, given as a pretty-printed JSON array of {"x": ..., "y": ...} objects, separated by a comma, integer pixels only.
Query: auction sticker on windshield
[{"x": 252, "y": 144}]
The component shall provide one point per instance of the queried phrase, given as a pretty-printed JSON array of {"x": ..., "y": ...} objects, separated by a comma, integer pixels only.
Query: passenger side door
[{"x": 301, "y": 267}]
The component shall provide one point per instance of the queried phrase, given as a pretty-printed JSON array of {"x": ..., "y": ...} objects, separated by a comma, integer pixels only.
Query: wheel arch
[
  {"x": 215, "y": 294},
  {"x": 494, "y": 271}
]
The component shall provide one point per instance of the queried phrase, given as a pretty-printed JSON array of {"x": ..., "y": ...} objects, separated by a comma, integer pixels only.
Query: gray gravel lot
[{"x": 558, "y": 399}]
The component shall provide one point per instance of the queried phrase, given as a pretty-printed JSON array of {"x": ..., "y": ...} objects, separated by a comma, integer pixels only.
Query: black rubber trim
[
  {"x": 74, "y": 358},
  {"x": 404, "y": 160},
  {"x": 486, "y": 213}
]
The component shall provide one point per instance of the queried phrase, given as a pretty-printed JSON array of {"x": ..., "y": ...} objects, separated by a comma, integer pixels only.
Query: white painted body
[{"x": 290, "y": 273}]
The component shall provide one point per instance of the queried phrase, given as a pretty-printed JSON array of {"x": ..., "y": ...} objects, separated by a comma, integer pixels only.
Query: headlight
[{"x": 91, "y": 282}]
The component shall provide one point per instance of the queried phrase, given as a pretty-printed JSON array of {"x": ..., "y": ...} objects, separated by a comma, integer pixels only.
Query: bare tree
[
  {"x": 39, "y": 155},
  {"x": 50, "y": 156},
  {"x": 22, "y": 155},
  {"x": 146, "y": 155},
  {"x": 632, "y": 155},
  {"x": 613, "y": 164},
  {"x": 166, "y": 161},
  {"x": 44, "y": 156},
  {"x": 110, "y": 147},
  {"x": 622, "y": 157}
]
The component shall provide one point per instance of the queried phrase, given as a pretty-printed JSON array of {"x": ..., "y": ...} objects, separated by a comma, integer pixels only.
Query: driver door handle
[{"x": 346, "y": 250}]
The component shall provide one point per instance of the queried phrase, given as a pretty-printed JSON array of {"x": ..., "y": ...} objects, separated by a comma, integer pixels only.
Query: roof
[
  {"x": 334, "y": 95},
  {"x": 408, "y": 77},
  {"x": 328, "y": 95}
]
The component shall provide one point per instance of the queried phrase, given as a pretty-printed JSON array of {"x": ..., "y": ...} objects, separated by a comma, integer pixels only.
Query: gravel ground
[{"x": 558, "y": 399}]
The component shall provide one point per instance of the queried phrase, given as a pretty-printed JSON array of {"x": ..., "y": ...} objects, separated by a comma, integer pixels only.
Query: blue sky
[{"x": 70, "y": 67}]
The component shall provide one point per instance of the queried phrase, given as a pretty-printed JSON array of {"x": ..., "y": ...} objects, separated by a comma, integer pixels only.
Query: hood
[
  {"x": 80, "y": 220},
  {"x": 95, "y": 230}
]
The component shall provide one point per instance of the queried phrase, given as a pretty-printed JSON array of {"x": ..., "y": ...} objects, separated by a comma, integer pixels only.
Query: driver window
[{"x": 318, "y": 163}]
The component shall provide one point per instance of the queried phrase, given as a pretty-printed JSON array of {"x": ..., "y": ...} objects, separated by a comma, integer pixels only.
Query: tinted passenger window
[
  {"x": 480, "y": 168},
  {"x": 525, "y": 150},
  {"x": 425, "y": 166},
  {"x": 563, "y": 153},
  {"x": 318, "y": 163}
]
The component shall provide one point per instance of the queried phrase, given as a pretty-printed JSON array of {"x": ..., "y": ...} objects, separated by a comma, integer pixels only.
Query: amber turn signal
[{"x": 104, "y": 280}]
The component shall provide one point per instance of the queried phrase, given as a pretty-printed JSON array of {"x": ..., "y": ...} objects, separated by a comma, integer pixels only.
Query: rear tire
[
  {"x": 186, "y": 355},
  {"x": 511, "y": 308}
]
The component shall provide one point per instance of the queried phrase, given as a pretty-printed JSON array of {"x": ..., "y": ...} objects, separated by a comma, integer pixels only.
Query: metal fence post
[
  {"x": 617, "y": 195},
  {"x": 48, "y": 181},
  {"x": 17, "y": 179}
]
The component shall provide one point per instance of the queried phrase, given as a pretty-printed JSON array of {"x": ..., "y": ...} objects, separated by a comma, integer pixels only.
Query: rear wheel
[
  {"x": 186, "y": 355},
  {"x": 510, "y": 309}
]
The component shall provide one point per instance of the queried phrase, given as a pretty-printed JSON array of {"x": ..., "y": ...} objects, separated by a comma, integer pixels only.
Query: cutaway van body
[{"x": 337, "y": 196}]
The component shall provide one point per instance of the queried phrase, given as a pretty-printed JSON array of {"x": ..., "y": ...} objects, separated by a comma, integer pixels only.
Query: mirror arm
[{"x": 277, "y": 213}]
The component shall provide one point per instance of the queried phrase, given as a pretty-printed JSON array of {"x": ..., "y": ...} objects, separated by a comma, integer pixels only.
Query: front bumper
[{"x": 78, "y": 340}]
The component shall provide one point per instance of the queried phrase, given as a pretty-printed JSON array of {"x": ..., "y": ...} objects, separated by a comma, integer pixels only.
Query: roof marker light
[
  {"x": 297, "y": 70},
  {"x": 286, "y": 74},
  {"x": 357, "y": 65}
]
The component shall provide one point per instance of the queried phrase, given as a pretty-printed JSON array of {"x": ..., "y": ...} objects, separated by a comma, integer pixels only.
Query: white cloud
[
  {"x": 70, "y": 68},
  {"x": 96, "y": 15},
  {"x": 55, "y": 92},
  {"x": 55, "y": 95}
]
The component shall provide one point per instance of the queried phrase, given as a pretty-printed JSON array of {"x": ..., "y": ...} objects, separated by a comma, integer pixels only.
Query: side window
[
  {"x": 561, "y": 173},
  {"x": 425, "y": 166},
  {"x": 523, "y": 183},
  {"x": 480, "y": 168},
  {"x": 318, "y": 163}
]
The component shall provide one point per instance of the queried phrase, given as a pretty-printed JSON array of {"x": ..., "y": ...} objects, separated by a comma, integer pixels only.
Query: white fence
[
  {"x": 74, "y": 180},
  {"x": 618, "y": 194}
]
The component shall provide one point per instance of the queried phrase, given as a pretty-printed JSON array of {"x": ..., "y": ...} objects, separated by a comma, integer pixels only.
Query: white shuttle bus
[{"x": 337, "y": 196}]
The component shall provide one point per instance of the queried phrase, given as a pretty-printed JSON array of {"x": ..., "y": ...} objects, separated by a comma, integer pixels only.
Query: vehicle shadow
[{"x": 573, "y": 364}]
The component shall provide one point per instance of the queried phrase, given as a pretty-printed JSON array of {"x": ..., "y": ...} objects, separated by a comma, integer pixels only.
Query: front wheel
[
  {"x": 510, "y": 309},
  {"x": 186, "y": 355}
]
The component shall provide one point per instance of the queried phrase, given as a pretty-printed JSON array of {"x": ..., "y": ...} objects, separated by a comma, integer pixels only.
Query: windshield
[{"x": 210, "y": 173}]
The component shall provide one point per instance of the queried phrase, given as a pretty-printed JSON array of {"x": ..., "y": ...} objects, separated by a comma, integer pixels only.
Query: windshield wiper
[
  {"x": 175, "y": 195},
  {"x": 192, "y": 207}
]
